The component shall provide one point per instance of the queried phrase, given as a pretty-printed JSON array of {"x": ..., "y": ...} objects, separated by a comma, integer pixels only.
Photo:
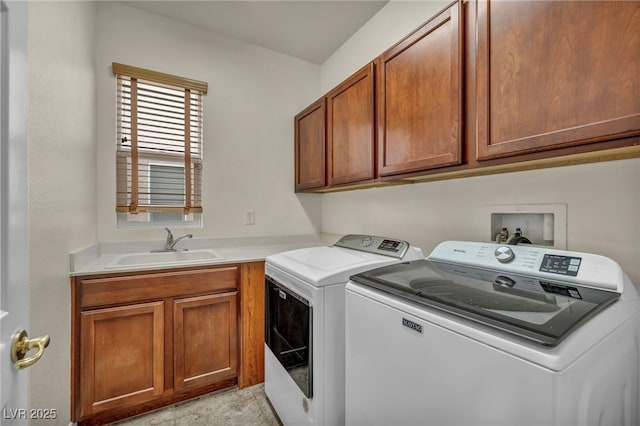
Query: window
[{"x": 159, "y": 148}]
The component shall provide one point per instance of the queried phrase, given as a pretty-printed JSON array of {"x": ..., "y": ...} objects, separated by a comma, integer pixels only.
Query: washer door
[
  {"x": 543, "y": 311},
  {"x": 289, "y": 332}
]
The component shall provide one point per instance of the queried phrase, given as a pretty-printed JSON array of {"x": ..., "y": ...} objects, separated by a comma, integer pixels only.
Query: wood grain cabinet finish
[
  {"x": 310, "y": 160},
  {"x": 555, "y": 74},
  {"x": 144, "y": 340},
  {"x": 419, "y": 98},
  {"x": 351, "y": 129},
  {"x": 252, "y": 323},
  {"x": 205, "y": 334},
  {"x": 122, "y": 354}
]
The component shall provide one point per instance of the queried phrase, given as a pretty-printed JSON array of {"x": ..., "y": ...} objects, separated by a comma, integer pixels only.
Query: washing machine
[
  {"x": 486, "y": 334},
  {"x": 304, "y": 334}
]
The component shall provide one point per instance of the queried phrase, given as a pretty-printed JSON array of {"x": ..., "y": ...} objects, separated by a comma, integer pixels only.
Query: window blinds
[{"x": 159, "y": 141}]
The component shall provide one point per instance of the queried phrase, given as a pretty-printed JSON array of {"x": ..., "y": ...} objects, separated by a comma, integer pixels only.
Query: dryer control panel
[{"x": 372, "y": 244}]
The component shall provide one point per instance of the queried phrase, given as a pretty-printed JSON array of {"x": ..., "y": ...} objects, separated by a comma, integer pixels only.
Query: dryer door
[{"x": 289, "y": 332}]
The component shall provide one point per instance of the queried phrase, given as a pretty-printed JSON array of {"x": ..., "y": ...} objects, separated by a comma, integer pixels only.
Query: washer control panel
[
  {"x": 582, "y": 268},
  {"x": 376, "y": 245},
  {"x": 564, "y": 265}
]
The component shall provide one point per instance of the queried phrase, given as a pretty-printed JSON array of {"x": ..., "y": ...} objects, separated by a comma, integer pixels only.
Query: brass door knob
[{"x": 21, "y": 345}]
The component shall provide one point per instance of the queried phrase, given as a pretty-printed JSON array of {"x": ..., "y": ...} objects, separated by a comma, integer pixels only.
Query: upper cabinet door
[
  {"x": 419, "y": 105},
  {"x": 350, "y": 129},
  {"x": 553, "y": 74},
  {"x": 309, "y": 126}
]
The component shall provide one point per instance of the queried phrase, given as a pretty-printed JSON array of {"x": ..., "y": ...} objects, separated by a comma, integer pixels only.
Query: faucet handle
[{"x": 169, "y": 237}]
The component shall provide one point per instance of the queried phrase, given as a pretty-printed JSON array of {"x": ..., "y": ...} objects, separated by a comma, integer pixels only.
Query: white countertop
[{"x": 103, "y": 258}]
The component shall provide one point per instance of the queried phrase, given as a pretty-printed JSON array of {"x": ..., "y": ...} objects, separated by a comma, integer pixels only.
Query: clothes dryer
[{"x": 304, "y": 336}]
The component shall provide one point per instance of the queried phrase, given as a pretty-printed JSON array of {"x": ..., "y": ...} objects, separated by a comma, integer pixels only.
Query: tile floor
[{"x": 229, "y": 407}]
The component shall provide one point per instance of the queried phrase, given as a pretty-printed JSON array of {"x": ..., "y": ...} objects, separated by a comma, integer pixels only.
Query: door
[
  {"x": 350, "y": 129},
  {"x": 289, "y": 333},
  {"x": 14, "y": 296},
  {"x": 555, "y": 74},
  {"x": 122, "y": 351},
  {"x": 540, "y": 310},
  {"x": 310, "y": 147},
  {"x": 419, "y": 98},
  {"x": 205, "y": 330}
]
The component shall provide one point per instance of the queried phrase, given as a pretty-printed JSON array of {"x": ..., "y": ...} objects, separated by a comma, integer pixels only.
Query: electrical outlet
[{"x": 249, "y": 217}]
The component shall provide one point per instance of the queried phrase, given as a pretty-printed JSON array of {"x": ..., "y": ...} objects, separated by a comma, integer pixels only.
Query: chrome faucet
[{"x": 171, "y": 243}]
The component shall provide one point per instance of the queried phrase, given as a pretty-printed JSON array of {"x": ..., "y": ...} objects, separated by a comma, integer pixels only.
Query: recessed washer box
[{"x": 543, "y": 224}]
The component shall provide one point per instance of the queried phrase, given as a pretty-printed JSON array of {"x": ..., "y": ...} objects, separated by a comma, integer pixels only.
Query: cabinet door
[
  {"x": 555, "y": 74},
  {"x": 122, "y": 351},
  {"x": 310, "y": 147},
  {"x": 350, "y": 129},
  {"x": 419, "y": 98},
  {"x": 205, "y": 334}
]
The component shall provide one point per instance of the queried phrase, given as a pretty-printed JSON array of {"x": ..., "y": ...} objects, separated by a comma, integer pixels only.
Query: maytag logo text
[{"x": 412, "y": 325}]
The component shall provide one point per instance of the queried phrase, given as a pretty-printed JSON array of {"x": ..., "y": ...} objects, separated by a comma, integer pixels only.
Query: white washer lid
[{"x": 323, "y": 265}]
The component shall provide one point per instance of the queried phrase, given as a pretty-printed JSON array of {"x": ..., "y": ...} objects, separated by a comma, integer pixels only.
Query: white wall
[
  {"x": 386, "y": 28},
  {"x": 62, "y": 180},
  {"x": 248, "y": 146},
  {"x": 603, "y": 200}
]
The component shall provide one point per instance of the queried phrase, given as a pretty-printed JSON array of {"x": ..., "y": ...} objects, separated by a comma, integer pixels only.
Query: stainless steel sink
[{"x": 169, "y": 258}]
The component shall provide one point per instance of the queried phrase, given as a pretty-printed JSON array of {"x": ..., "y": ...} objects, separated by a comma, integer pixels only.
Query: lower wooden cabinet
[
  {"x": 205, "y": 335},
  {"x": 122, "y": 353},
  {"x": 148, "y": 339}
]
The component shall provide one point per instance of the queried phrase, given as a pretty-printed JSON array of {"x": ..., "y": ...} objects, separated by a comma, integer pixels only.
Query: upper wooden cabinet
[
  {"x": 419, "y": 98},
  {"x": 555, "y": 74},
  {"x": 309, "y": 127},
  {"x": 350, "y": 129},
  {"x": 483, "y": 87}
]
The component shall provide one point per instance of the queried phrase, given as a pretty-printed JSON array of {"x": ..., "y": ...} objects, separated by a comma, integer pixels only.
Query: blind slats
[
  {"x": 159, "y": 146},
  {"x": 161, "y": 123}
]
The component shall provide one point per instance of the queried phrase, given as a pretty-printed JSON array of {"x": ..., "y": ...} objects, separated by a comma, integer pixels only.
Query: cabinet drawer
[{"x": 103, "y": 291}]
